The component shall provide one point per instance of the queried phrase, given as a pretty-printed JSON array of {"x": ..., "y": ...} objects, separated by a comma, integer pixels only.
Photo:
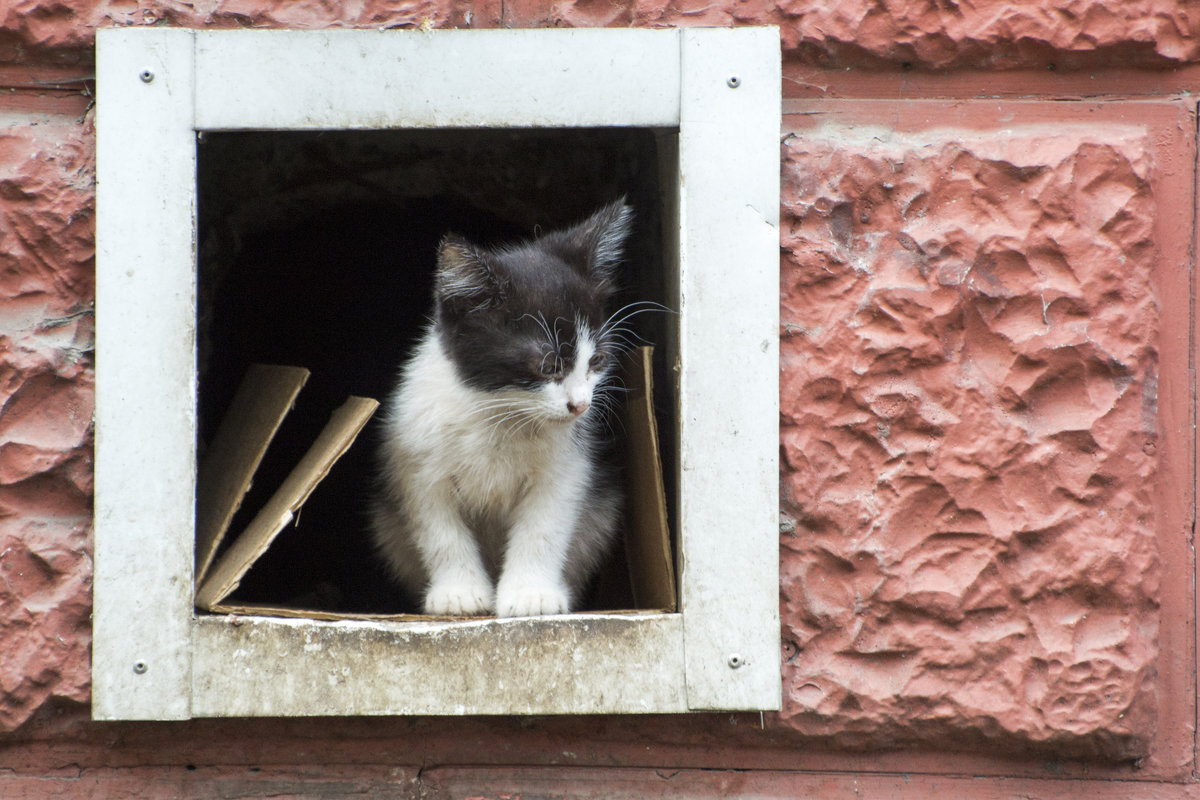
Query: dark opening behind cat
[{"x": 491, "y": 495}]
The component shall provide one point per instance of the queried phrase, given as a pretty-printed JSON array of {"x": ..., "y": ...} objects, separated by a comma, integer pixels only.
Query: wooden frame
[{"x": 715, "y": 95}]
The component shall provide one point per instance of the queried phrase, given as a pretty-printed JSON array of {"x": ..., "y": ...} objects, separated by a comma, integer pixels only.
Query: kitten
[{"x": 492, "y": 496}]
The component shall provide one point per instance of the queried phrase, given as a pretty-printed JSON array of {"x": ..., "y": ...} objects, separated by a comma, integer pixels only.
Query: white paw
[
  {"x": 530, "y": 600},
  {"x": 459, "y": 597}
]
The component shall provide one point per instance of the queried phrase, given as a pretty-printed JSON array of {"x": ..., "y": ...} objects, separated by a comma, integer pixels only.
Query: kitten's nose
[{"x": 577, "y": 407}]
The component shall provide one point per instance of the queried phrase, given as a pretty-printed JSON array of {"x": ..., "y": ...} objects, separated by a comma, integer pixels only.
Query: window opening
[
  {"x": 210, "y": 143},
  {"x": 317, "y": 250}
]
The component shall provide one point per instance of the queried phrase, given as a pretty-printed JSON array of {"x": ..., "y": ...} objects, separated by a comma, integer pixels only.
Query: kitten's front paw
[
  {"x": 531, "y": 600},
  {"x": 459, "y": 598}
]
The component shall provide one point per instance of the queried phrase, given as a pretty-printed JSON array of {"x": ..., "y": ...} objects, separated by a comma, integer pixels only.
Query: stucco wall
[
  {"x": 986, "y": 236},
  {"x": 969, "y": 378}
]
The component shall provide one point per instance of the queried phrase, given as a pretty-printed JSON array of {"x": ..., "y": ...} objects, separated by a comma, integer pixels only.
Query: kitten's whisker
[
  {"x": 620, "y": 347},
  {"x": 650, "y": 305},
  {"x": 604, "y": 393},
  {"x": 530, "y": 418},
  {"x": 621, "y": 315},
  {"x": 497, "y": 408},
  {"x": 608, "y": 420},
  {"x": 489, "y": 400},
  {"x": 492, "y": 402},
  {"x": 622, "y": 329},
  {"x": 604, "y": 408},
  {"x": 605, "y": 415},
  {"x": 495, "y": 413},
  {"x": 508, "y": 425},
  {"x": 613, "y": 381},
  {"x": 625, "y": 334},
  {"x": 501, "y": 412},
  {"x": 557, "y": 343},
  {"x": 541, "y": 321},
  {"x": 622, "y": 344}
]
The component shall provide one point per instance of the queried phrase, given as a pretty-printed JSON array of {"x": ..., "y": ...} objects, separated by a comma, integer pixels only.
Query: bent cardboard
[
  {"x": 333, "y": 441},
  {"x": 263, "y": 400}
]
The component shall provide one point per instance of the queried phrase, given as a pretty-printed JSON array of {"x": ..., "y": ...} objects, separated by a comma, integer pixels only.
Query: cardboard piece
[
  {"x": 264, "y": 398},
  {"x": 332, "y": 442},
  {"x": 646, "y": 535}
]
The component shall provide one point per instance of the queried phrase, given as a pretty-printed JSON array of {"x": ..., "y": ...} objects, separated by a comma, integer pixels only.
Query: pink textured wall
[
  {"x": 986, "y": 432},
  {"x": 46, "y": 282},
  {"x": 989, "y": 34},
  {"x": 969, "y": 431}
]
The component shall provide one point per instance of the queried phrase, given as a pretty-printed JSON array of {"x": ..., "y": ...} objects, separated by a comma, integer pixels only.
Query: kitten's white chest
[
  {"x": 490, "y": 479},
  {"x": 491, "y": 453}
]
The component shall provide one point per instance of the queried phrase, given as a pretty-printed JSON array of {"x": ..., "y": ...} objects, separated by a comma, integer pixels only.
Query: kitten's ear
[
  {"x": 464, "y": 276},
  {"x": 602, "y": 237}
]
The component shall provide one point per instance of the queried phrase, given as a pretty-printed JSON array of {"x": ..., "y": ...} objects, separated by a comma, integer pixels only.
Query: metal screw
[
  {"x": 733, "y": 81},
  {"x": 736, "y": 661},
  {"x": 146, "y": 76},
  {"x": 139, "y": 667}
]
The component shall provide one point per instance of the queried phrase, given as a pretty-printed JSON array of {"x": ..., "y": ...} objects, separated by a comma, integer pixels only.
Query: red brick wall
[{"x": 988, "y": 457}]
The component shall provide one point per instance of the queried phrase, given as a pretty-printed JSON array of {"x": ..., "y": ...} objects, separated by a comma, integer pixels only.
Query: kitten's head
[{"x": 529, "y": 320}]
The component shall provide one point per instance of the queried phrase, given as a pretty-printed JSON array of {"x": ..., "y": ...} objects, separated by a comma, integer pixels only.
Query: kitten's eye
[
  {"x": 597, "y": 361},
  {"x": 550, "y": 368}
]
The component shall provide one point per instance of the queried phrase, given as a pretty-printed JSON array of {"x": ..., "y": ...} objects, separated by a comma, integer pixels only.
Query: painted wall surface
[
  {"x": 986, "y": 565},
  {"x": 969, "y": 431}
]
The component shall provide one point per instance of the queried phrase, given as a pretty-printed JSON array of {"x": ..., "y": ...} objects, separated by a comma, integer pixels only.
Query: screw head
[
  {"x": 733, "y": 81},
  {"x": 736, "y": 661},
  {"x": 146, "y": 75},
  {"x": 140, "y": 667}
]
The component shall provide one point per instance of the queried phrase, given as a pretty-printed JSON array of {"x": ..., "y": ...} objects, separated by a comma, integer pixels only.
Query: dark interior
[{"x": 317, "y": 250}]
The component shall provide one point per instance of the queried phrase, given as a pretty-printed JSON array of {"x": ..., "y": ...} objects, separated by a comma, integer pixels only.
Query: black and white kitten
[{"x": 492, "y": 496}]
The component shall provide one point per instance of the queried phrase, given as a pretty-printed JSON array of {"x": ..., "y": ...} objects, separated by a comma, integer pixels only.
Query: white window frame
[{"x": 154, "y": 657}]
